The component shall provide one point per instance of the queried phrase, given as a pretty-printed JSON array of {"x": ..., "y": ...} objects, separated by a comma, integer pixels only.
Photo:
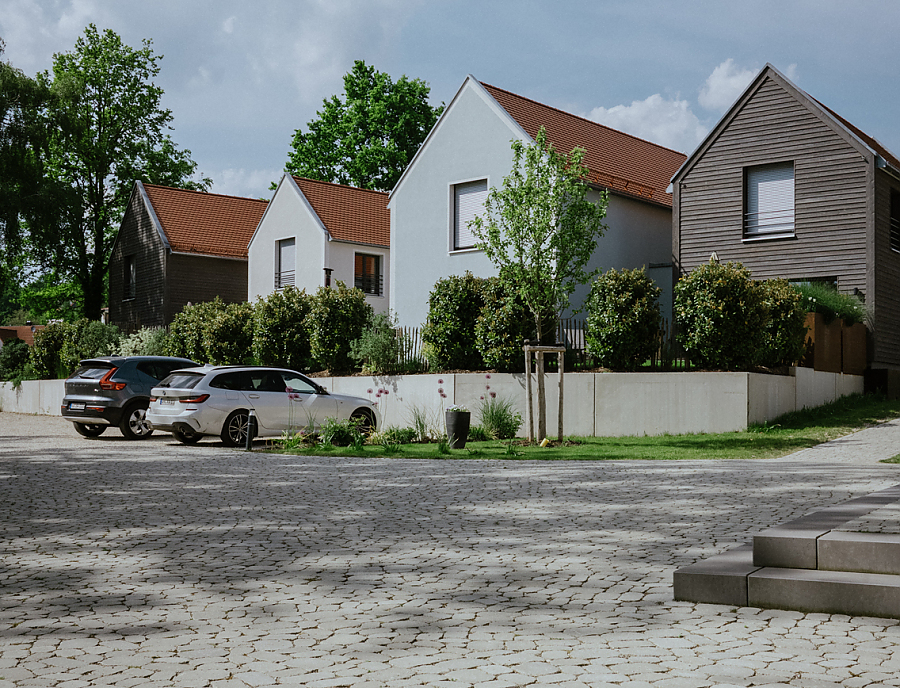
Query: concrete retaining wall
[{"x": 602, "y": 404}]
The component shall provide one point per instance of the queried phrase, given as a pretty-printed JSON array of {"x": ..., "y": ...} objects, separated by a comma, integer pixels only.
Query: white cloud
[
  {"x": 248, "y": 183},
  {"x": 724, "y": 85},
  {"x": 669, "y": 123}
]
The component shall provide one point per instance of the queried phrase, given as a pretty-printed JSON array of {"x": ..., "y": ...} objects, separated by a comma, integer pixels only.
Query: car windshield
[
  {"x": 182, "y": 380},
  {"x": 92, "y": 372}
]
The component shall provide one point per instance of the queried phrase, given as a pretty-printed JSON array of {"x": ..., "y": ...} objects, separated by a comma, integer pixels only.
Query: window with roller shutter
[
  {"x": 468, "y": 203},
  {"x": 769, "y": 201}
]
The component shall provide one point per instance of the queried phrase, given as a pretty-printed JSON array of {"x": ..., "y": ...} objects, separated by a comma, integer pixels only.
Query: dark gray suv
[{"x": 115, "y": 390}]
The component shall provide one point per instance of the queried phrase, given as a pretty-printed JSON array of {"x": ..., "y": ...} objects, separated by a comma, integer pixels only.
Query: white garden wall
[{"x": 610, "y": 404}]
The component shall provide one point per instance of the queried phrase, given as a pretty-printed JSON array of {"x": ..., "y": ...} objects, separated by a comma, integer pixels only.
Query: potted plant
[{"x": 456, "y": 420}]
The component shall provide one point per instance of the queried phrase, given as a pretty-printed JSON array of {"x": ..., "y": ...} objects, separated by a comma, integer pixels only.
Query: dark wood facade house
[
  {"x": 790, "y": 189},
  {"x": 177, "y": 246}
]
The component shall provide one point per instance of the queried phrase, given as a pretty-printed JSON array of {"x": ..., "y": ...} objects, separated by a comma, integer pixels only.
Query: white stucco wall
[
  {"x": 287, "y": 216},
  {"x": 471, "y": 142}
]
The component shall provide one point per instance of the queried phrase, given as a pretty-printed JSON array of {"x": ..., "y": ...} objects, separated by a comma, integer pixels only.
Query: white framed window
[
  {"x": 367, "y": 274},
  {"x": 769, "y": 200},
  {"x": 468, "y": 203},
  {"x": 286, "y": 263}
]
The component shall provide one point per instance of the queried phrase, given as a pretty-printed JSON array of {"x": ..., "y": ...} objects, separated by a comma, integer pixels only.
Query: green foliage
[
  {"x": 13, "y": 359},
  {"x": 59, "y": 347},
  {"x": 50, "y": 297},
  {"x": 280, "y": 335},
  {"x": 449, "y": 334},
  {"x": 623, "y": 322},
  {"x": 721, "y": 315},
  {"x": 498, "y": 418},
  {"x": 105, "y": 128},
  {"x": 477, "y": 433},
  {"x": 187, "y": 331},
  {"x": 336, "y": 317},
  {"x": 341, "y": 433},
  {"x": 826, "y": 300},
  {"x": 48, "y": 343},
  {"x": 147, "y": 341},
  {"x": 785, "y": 331},
  {"x": 378, "y": 348},
  {"x": 503, "y": 325},
  {"x": 540, "y": 229},
  {"x": 228, "y": 335},
  {"x": 368, "y": 137}
]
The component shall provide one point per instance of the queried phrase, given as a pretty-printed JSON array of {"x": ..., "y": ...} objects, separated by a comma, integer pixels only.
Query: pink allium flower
[
  {"x": 481, "y": 397},
  {"x": 487, "y": 386},
  {"x": 440, "y": 382},
  {"x": 440, "y": 390},
  {"x": 488, "y": 376},
  {"x": 385, "y": 392},
  {"x": 369, "y": 391},
  {"x": 493, "y": 394}
]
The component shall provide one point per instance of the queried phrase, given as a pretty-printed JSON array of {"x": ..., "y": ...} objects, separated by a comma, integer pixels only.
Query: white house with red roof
[
  {"x": 316, "y": 233},
  {"x": 468, "y": 151}
]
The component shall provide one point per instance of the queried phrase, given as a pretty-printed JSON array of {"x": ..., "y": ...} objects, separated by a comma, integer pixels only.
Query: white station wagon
[{"x": 217, "y": 400}]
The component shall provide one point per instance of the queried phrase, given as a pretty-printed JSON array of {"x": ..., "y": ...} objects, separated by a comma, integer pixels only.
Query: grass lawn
[{"x": 787, "y": 434}]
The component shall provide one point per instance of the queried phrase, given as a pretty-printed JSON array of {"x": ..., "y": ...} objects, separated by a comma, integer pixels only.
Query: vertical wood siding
[
  {"x": 886, "y": 301},
  {"x": 830, "y": 196},
  {"x": 203, "y": 278},
  {"x": 137, "y": 237}
]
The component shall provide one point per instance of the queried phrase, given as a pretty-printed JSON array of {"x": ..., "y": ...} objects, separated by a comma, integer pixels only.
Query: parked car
[
  {"x": 217, "y": 400},
  {"x": 115, "y": 391}
]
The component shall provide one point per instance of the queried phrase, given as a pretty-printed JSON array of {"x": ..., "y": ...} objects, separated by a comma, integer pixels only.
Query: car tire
[
  {"x": 90, "y": 429},
  {"x": 234, "y": 432},
  {"x": 186, "y": 435},
  {"x": 367, "y": 423},
  {"x": 134, "y": 425}
]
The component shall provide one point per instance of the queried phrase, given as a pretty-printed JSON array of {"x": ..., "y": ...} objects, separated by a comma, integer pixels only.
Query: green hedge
[
  {"x": 59, "y": 347},
  {"x": 623, "y": 319},
  {"x": 336, "y": 318},
  {"x": 449, "y": 334},
  {"x": 280, "y": 335},
  {"x": 503, "y": 325},
  {"x": 785, "y": 330}
]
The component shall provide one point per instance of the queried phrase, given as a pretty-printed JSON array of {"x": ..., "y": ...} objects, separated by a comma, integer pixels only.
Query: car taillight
[
  {"x": 152, "y": 399},
  {"x": 106, "y": 383},
  {"x": 195, "y": 400}
]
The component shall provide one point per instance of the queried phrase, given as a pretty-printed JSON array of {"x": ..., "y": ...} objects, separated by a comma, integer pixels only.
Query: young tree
[
  {"x": 540, "y": 230},
  {"x": 368, "y": 137},
  {"x": 107, "y": 128}
]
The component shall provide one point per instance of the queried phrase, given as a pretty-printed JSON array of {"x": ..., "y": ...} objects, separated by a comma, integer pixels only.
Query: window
[
  {"x": 367, "y": 274},
  {"x": 468, "y": 202},
  {"x": 895, "y": 220},
  {"x": 769, "y": 200},
  {"x": 284, "y": 274},
  {"x": 128, "y": 279}
]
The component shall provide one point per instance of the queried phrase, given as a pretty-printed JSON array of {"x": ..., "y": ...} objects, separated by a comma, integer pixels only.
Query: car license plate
[
  {"x": 166, "y": 402},
  {"x": 74, "y": 406}
]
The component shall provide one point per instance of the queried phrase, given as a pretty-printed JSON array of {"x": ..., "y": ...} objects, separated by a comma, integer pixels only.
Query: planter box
[{"x": 853, "y": 349}]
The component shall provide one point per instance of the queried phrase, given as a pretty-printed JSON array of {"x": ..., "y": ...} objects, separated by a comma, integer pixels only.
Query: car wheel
[
  {"x": 90, "y": 430},
  {"x": 134, "y": 425},
  {"x": 234, "y": 432},
  {"x": 186, "y": 435},
  {"x": 365, "y": 420}
]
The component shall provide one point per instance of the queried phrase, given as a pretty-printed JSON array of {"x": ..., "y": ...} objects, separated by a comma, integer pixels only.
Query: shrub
[
  {"x": 228, "y": 335},
  {"x": 623, "y": 322},
  {"x": 280, "y": 334},
  {"x": 86, "y": 339},
  {"x": 13, "y": 359},
  {"x": 45, "y": 354},
  {"x": 378, "y": 347},
  {"x": 502, "y": 326},
  {"x": 449, "y": 335},
  {"x": 826, "y": 300},
  {"x": 785, "y": 331},
  {"x": 147, "y": 341},
  {"x": 336, "y": 317},
  {"x": 721, "y": 315},
  {"x": 186, "y": 332}
]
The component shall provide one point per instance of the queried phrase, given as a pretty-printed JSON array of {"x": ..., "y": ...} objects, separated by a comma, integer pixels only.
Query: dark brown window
[
  {"x": 895, "y": 220},
  {"x": 368, "y": 275},
  {"x": 129, "y": 289}
]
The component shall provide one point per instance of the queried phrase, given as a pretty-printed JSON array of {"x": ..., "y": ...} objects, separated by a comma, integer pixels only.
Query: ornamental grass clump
[
  {"x": 623, "y": 323},
  {"x": 818, "y": 297},
  {"x": 498, "y": 418}
]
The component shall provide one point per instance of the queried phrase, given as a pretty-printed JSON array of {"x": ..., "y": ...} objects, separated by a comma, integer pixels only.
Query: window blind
[
  {"x": 770, "y": 199},
  {"x": 468, "y": 203}
]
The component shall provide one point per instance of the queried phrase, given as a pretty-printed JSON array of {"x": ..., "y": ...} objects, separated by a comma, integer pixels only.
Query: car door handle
[{"x": 253, "y": 396}]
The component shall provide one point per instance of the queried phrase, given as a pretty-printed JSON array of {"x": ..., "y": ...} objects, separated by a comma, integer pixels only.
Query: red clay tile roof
[
  {"x": 205, "y": 223},
  {"x": 621, "y": 162},
  {"x": 348, "y": 213}
]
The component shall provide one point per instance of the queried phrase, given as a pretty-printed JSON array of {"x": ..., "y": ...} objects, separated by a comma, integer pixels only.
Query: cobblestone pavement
[{"x": 156, "y": 564}]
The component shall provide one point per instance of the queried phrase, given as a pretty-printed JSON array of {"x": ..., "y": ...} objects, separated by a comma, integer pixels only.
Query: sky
[{"x": 240, "y": 77}]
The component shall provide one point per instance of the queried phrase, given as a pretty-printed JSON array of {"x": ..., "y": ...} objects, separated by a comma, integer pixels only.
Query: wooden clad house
[
  {"x": 790, "y": 189},
  {"x": 177, "y": 246}
]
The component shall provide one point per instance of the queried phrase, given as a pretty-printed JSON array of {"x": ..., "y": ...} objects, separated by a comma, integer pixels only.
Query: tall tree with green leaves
[
  {"x": 367, "y": 137},
  {"x": 107, "y": 129},
  {"x": 540, "y": 230}
]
